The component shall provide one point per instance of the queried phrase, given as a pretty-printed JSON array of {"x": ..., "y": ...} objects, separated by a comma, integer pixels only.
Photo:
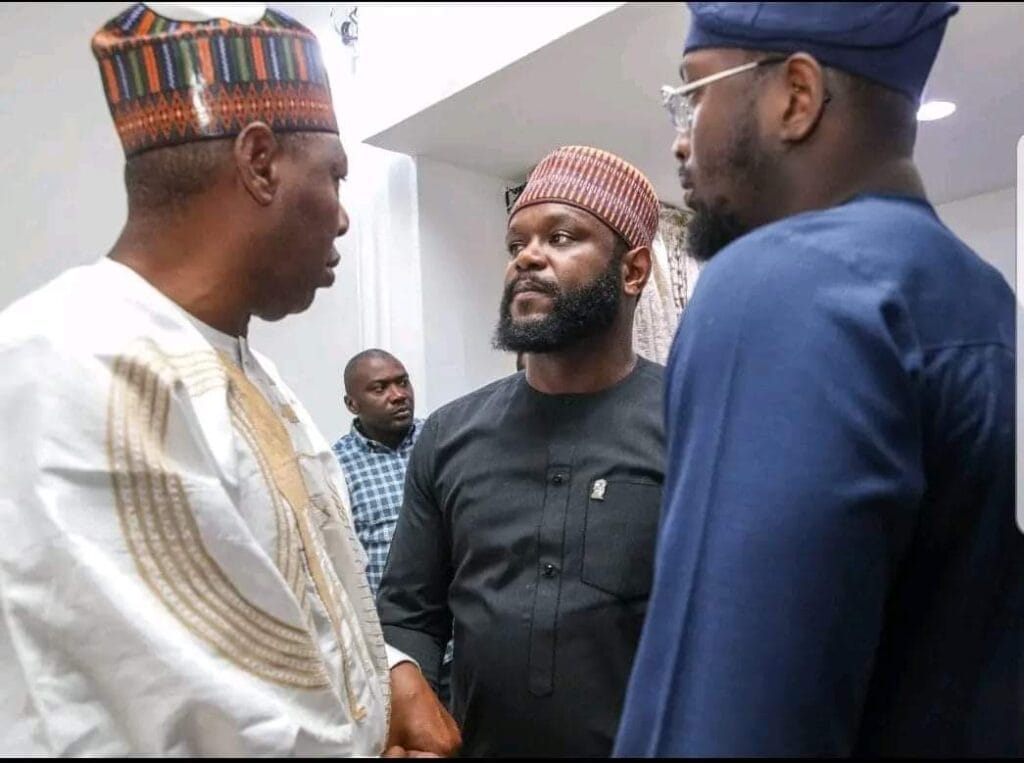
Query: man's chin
[
  {"x": 299, "y": 302},
  {"x": 709, "y": 232},
  {"x": 528, "y": 318}
]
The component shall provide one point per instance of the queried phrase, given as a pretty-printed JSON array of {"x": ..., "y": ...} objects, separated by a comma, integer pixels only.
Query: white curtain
[{"x": 673, "y": 276}]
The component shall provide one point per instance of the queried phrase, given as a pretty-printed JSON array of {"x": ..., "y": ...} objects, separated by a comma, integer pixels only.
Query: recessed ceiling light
[{"x": 932, "y": 110}]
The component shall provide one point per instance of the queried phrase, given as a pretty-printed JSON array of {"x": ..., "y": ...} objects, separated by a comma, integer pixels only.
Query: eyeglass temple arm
[{"x": 689, "y": 87}]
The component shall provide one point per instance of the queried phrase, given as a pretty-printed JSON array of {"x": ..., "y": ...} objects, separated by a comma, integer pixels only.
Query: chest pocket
[{"x": 619, "y": 537}]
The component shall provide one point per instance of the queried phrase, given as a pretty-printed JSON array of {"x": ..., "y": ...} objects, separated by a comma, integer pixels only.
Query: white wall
[
  {"x": 62, "y": 201},
  {"x": 384, "y": 243},
  {"x": 462, "y": 232},
  {"x": 987, "y": 223}
]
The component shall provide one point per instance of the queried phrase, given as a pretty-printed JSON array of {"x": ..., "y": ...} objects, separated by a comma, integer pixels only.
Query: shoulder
[
  {"x": 62, "y": 334},
  {"x": 61, "y": 312},
  {"x": 900, "y": 240},
  {"x": 648, "y": 372},
  {"x": 881, "y": 261},
  {"x": 344, "y": 445},
  {"x": 495, "y": 393},
  {"x": 102, "y": 313}
]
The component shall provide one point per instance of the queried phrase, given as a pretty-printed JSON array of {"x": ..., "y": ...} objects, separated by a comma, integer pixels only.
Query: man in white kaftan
[
  {"x": 179, "y": 573},
  {"x": 164, "y": 486}
]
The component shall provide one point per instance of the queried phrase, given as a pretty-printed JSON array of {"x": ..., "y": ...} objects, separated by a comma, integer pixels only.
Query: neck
[
  {"x": 588, "y": 366},
  {"x": 898, "y": 177},
  {"x": 183, "y": 260},
  {"x": 390, "y": 438},
  {"x": 815, "y": 189}
]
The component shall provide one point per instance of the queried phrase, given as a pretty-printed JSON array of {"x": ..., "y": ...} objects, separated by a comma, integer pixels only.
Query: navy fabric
[
  {"x": 894, "y": 44},
  {"x": 838, "y": 570}
]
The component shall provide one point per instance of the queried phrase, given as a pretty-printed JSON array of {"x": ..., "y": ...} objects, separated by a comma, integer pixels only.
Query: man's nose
[
  {"x": 343, "y": 221},
  {"x": 681, "y": 147}
]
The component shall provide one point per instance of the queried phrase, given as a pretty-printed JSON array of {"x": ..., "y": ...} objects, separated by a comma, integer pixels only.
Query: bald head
[
  {"x": 354, "y": 365},
  {"x": 379, "y": 393}
]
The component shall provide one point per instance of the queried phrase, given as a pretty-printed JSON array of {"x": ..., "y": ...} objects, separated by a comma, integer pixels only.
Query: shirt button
[
  {"x": 558, "y": 479},
  {"x": 549, "y": 570}
]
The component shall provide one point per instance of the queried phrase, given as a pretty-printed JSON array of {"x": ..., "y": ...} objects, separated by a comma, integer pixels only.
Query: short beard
[
  {"x": 711, "y": 230},
  {"x": 713, "y": 227},
  {"x": 575, "y": 315}
]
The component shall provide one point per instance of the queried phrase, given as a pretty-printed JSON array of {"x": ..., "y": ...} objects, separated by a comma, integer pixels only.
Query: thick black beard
[
  {"x": 575, "y": 315},
  {"x": 710, "y": 231}
]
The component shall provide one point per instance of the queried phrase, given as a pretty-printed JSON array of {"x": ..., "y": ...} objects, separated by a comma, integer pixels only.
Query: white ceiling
[{"x": 599, "y": 84}]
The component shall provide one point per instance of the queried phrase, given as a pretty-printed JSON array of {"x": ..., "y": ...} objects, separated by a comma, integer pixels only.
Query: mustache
[{"x": 525, "y": 283}]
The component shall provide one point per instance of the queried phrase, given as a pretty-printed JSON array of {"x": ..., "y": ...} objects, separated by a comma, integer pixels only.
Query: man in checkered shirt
[{"x": 374, "y": 455}]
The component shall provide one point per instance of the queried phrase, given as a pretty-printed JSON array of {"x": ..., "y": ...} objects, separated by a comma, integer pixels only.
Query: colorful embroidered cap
[
  {"x": 610, "y": 188},
  {"x": 169, "y": 81}
]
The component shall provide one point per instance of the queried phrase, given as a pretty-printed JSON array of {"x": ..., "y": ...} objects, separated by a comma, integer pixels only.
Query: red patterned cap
[
  {"x": 169, "y": 82},
  {"x": 606, "y": 186}
]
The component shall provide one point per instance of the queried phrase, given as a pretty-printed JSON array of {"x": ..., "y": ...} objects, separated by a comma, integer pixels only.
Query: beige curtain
[{"x": 673, "y": 276}]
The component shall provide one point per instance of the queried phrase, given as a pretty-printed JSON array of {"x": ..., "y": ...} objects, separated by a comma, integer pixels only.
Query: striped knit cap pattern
[
  {"x": 172, "y": 82},
  {"x": 606, "y": 186}
]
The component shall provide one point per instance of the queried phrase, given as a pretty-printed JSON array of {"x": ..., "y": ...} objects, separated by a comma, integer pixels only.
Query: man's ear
[
  {"x": 804, "y": 97},
  {"x": 257, "y": 153},
  {"x": 636, "y": 270},
  {"x": 351, "y": 405}
]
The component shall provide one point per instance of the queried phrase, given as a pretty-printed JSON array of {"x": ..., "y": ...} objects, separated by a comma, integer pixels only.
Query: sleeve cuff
[{"x": 396, "y": 657}]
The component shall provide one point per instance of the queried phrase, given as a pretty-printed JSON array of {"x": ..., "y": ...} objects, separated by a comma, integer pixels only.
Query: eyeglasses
[{"x": 677, "y": 99}]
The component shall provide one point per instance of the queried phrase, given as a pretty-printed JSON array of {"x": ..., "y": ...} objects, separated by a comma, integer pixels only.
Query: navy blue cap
[{"x": 893, "y": 44}]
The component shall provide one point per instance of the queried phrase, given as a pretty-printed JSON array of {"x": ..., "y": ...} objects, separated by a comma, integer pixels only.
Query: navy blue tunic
[{"x": 839, "y": 570}]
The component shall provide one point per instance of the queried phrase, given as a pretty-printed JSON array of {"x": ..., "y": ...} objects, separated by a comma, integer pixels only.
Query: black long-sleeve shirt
[{"x": 530, "y": 519}]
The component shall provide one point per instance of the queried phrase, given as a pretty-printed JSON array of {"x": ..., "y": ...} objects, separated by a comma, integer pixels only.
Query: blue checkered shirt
[{"x": 376, "y": 476}]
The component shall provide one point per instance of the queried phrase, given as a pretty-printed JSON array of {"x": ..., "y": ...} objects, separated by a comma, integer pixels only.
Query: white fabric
[
  {"x": 656, "y": 317},
  {"x": 238, "y": 13},
  {"x": 396, "y": 657},
  {"x": 178, "y": 569},
  {"x": 668, "y": 290}
]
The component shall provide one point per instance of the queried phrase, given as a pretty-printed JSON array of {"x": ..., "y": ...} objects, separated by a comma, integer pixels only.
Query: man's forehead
[
  {"x": 325, "y": 145},
  {"x": 380, "y": 367},
  {"x": 548, "y": 213}
]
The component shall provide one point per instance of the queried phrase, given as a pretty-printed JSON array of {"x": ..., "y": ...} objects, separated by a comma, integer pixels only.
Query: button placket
[{"x": 546, "y": 594}]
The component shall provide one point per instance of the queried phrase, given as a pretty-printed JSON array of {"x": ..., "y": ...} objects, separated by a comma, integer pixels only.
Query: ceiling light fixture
[{"x": 932, "y": 110}]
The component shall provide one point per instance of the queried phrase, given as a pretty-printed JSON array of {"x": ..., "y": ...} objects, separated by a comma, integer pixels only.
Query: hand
[
  {"x": 419, "y": 722},
  {"x": 401, "y": 752}
]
